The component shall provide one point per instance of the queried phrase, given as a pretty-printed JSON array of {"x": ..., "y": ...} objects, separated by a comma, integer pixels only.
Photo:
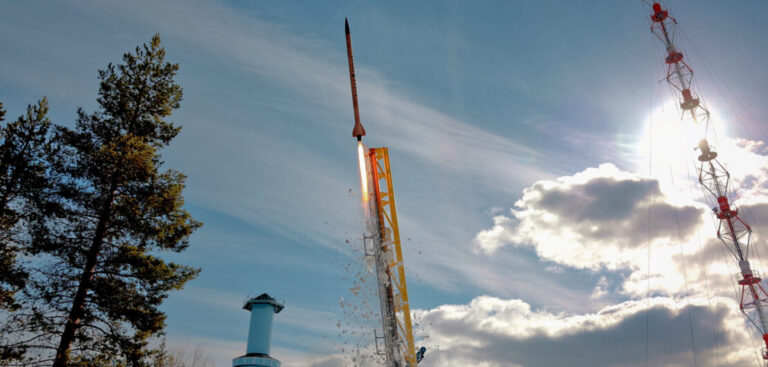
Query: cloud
[
  {"x": 747, "y": 161},
  {"x": 601, "y": 289},
  {"x": 495, "y": 332},
  {"x": 644, "y": 237},
  {"x": 596, "y": 218},
  {"x": 607, "y": 219},
  {"x": 330, "y": 361}
]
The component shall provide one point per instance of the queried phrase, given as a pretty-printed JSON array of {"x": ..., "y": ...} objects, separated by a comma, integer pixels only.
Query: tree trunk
[{"x": 78, "y": 304}]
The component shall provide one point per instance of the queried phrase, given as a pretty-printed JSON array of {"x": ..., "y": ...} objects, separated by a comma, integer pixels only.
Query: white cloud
[
  {"x": 597, "y": 218},
  {"x": 494, "y": 332},
  {"x": 601, "y": 289}
]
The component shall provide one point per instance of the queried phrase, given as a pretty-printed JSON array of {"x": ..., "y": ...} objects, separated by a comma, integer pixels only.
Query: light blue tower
[{"x": 263, "y": 308}]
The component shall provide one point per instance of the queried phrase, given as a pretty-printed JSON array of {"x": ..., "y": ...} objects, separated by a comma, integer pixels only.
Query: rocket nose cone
[
  {"x": 358, "y": 130},
  {"x": 346, "y": 26}
]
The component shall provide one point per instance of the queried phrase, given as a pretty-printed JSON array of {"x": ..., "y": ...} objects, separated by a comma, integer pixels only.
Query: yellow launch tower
[{"x": 400, "y": 349}]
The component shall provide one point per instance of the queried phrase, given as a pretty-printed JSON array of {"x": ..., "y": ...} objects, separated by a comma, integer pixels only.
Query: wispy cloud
[{"x": 313, "y": 184}]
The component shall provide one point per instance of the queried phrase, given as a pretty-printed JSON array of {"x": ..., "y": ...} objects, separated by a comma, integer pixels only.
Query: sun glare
[{"x": 667, "y": 150}]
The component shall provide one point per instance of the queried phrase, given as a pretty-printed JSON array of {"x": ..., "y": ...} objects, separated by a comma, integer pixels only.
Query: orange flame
[{"x": 363, "y": 173}]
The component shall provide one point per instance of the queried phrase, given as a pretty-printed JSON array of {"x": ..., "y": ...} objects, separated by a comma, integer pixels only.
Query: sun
[{"x": 667, "y": 149}]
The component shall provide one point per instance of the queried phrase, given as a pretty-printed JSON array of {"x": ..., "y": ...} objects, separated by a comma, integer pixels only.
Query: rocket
[{"x": 358, "y": 131}]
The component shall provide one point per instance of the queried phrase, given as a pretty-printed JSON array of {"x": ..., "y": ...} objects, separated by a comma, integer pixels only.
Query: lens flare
[{"x": 363, "y": 173}]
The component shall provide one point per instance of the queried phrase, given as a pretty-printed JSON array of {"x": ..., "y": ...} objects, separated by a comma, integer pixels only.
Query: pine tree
[
  {"x": 24, "y": 144},
  {"x": 111, "y": 212}
]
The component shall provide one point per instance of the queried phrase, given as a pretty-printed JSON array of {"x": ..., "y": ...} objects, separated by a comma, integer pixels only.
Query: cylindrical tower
[{"x": 263, "y": 308}]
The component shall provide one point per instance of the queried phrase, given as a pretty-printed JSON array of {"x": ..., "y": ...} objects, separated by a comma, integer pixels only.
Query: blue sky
[{"x": 477, "y": 103}]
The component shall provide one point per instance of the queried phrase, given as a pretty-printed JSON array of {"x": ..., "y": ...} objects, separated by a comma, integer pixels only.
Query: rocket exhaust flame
[{"x": 361, "y": 157}]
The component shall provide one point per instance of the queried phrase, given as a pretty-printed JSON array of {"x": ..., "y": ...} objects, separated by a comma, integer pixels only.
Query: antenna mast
[{"x": 732, "y": 230}]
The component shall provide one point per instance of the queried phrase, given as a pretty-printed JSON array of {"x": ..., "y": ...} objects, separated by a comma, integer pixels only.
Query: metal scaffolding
[{"x": 385, "y": 247}]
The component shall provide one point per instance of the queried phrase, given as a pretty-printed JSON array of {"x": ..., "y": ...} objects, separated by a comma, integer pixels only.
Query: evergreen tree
[
  {"x": 24, "y": 144},
  {"x": 110, "y": 213}
]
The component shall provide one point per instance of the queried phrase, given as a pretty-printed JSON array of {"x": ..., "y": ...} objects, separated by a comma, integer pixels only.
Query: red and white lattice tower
[{"x": 732, "y": 230}]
